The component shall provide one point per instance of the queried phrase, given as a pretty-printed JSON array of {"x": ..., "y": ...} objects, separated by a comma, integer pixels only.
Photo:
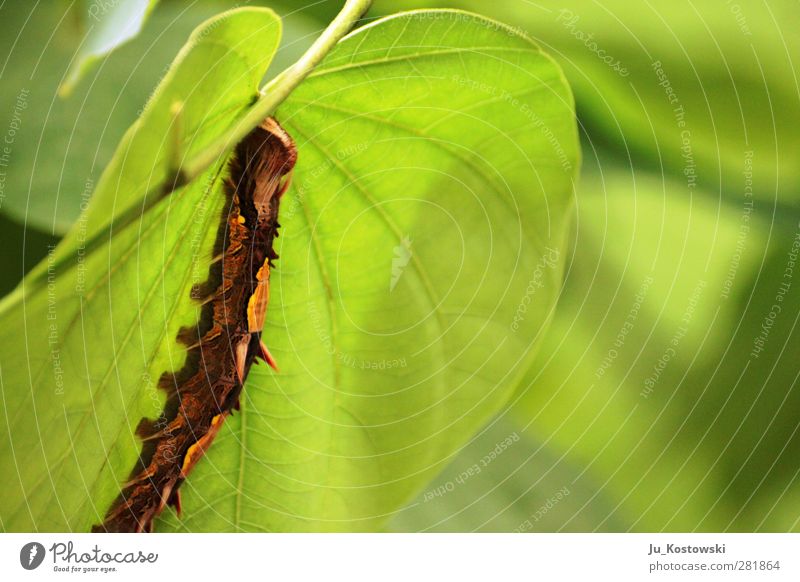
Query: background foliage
[{"x": 685, "y": 236}]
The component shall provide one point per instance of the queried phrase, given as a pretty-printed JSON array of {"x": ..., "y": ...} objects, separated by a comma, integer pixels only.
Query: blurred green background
[{"x": 665, "y": 396}]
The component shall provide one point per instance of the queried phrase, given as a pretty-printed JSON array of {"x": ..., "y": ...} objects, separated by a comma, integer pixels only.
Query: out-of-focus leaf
[
  {"x": 707, "y": 439},
  {"x": 686, "y": 87},
  {"x": 507, "y": 479},
  {"x": 107, "y": 26},
  {"x": 647, "y": 378},
  {"x": 747, "y": 411}
]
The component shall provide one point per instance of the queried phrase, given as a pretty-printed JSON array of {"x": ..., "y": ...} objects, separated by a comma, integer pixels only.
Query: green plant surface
[
  {"x": 508, "y": 479},
  {"x": 107, "y": 25},
  {"x": 706, "y": 439},
  {"x": 430, "y": 202},
  {"x": 61, "y": 145},
  {"x": 396, "y": 144},
  {"x": 97, "y": 324},
  {"x": 726, "y": 70},
  {"x": 712, "y": 445}
]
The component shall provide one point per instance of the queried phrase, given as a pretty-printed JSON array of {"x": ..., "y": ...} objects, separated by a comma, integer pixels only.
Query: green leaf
[
  {"x": 716, "y": 447},
  {"x": 99, "y": 324},
  {"x": 60, "y": 146},
  {"x": 431, "y": 198},
  {"x": 108, "y": 25},
  {"x": 712, "y": 443},
  {"x": 408, "y": 132},
  {"x": 188, "y": 112}
]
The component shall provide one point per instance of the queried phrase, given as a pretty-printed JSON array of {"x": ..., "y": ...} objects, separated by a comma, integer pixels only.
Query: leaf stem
[
  {"x": 272, "y": 95},
  {"x": 277, "y": 90}
]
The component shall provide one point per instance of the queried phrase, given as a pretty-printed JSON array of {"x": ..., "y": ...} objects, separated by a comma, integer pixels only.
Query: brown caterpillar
[{"x": 226, "y": 340}]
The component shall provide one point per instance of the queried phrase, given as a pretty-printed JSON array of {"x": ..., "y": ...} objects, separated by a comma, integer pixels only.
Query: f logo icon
[{"x": 31, "y": 555}]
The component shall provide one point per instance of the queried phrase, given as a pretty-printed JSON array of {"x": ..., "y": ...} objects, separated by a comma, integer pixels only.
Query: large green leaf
[
  {"x": 647, "y": 378},
  {"x": 406, "y": 132},
  {"x": 86, "y": 336},
  {"x": 716, "y": 445},
  {"x": 437, "y": 156}
]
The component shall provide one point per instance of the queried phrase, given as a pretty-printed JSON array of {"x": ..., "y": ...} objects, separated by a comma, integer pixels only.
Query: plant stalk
[
  {"x": 277, "y": 90},
  {"x": 270, "y": 97}
]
